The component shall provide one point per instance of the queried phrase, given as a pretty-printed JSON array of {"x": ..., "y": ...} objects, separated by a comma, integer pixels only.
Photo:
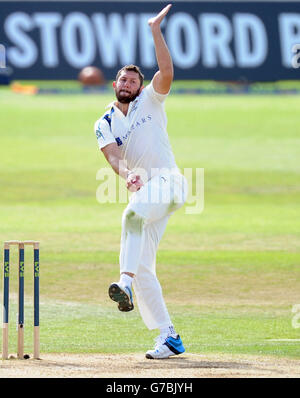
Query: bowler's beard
[{"x": 125, "y": 99}]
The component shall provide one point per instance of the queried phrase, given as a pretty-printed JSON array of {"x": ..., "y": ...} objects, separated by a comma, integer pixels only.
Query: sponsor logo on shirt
[{"x": 135, "y": 126}]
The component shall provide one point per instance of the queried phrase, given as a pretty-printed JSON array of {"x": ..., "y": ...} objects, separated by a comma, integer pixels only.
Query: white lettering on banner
[
  {"x": 296, "y": 57},
  {"x": 48, "y": 22},
  {"x": 73, "y": 23},
  {"x": 2, "y": 56},
  {"x": 289, "y": 27},
  {"x": 182, "y": 22},
  {"x": 212, "y": 39},
  {"x": 216, "y": 35},
  {"x": 24, "y": 53},
  {"x": 244, "y": 26},
  {"x": 116, "y": 37}
]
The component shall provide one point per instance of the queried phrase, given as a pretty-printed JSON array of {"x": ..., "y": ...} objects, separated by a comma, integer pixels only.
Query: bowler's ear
[
  {"x": 114, "y": 84},
  {"x": 141, "y": 89}
]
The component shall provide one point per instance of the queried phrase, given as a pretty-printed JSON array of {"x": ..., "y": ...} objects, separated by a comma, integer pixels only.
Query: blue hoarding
[{"x": 227, "y": 41}]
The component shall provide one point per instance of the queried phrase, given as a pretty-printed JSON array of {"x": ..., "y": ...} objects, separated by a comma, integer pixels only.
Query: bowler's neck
[{"x": 123, "y": 107}]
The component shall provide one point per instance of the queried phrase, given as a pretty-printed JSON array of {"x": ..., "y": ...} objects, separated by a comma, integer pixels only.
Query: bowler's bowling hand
[
  {"x": 133, "y": 182},
  {"x": 156, "y": 21}
]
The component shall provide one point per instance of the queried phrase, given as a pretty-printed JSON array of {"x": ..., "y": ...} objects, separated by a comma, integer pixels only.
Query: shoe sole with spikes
[{"x": 118, "y": 295}]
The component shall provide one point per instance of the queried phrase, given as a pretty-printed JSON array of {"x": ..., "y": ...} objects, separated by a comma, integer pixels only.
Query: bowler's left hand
[{"x": 156, "y": 21}]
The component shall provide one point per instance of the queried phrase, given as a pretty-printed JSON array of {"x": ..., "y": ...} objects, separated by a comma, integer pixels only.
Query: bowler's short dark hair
[{"x": 131, "y": 68}]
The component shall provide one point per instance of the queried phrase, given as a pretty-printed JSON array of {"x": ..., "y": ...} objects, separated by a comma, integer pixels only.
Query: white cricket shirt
[{"x": 141, "y": 134}]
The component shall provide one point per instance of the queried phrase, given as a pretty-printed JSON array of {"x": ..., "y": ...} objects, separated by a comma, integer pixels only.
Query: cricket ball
[{"x": 91, "y": 76}]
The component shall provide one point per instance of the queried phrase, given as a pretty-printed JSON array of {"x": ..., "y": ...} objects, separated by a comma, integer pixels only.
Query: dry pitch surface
[{"x": 136, "y": 365}]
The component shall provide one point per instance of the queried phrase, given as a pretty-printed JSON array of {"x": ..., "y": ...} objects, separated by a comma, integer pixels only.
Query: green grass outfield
[{"x": 230, "y": 275}]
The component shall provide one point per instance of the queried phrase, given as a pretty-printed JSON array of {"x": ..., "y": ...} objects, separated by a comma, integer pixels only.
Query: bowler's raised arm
[{"x": 162, "y": 79}]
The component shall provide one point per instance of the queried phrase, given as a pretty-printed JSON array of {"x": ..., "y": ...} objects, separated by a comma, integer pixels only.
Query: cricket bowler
[{"x": 133, "y": 138}]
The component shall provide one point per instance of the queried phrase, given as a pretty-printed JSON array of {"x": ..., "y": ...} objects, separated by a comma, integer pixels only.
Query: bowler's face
[{"x": 127, "y": 87}]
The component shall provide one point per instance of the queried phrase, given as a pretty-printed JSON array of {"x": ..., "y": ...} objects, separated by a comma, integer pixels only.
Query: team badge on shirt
[{"x": 99, "y": 134}]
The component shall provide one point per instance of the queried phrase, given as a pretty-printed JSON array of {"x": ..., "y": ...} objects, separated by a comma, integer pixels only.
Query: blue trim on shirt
[
  {"x": 119, "y": 141},
  {"x": 108, "y": 116}
]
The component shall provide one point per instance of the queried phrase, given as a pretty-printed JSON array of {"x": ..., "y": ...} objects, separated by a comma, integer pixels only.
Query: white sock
[
  {"x": 168, "y": 331},
  {"x": 126, "y": 280}
]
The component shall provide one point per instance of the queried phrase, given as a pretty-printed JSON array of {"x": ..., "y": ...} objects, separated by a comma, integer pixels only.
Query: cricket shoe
[
  {"x": 122, "y": 295},
  {"x": 165, "y": 347}
]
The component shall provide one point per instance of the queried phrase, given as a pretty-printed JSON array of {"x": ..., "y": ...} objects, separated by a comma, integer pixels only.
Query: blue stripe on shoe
[
  {"x": 175, "y": 345},
  {"x": 129, "y": 292}
]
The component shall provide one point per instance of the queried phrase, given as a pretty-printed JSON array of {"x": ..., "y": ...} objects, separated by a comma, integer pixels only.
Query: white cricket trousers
[{"x": 143, "y": 223}]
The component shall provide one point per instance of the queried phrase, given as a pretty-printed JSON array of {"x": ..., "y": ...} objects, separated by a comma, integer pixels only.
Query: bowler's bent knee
[{"x": 134, "y": 223}]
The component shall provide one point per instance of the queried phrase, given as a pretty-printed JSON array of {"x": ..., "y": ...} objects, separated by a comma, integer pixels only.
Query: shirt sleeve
[
  {"x": 155, "y": 95},
  {"x": 103, "y": 133}
]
